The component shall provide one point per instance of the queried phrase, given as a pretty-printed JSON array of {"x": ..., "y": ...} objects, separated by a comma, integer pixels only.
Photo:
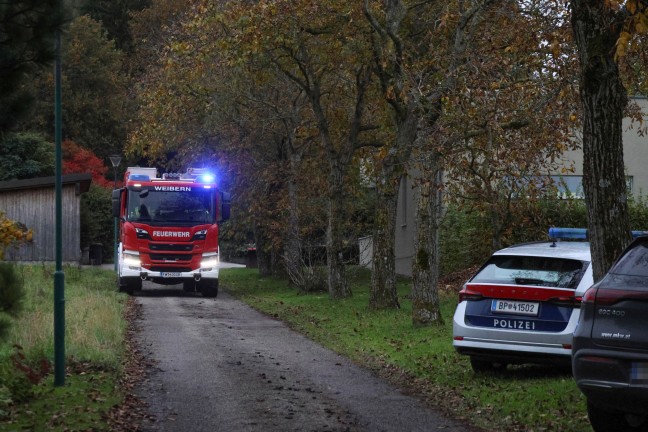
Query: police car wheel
[{"x": 479, "y": 365}]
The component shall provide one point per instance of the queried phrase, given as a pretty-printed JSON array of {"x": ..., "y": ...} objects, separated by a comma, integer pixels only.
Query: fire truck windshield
[{"x": 171, "y": 205}]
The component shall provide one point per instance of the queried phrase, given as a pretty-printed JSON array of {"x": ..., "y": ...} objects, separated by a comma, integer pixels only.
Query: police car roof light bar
[
  {"x": 567, "y": 233},
  {"x": 579, "y": 233}
]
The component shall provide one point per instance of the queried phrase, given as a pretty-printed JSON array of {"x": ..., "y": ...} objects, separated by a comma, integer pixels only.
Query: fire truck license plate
[{"x": 170, "y": 274}]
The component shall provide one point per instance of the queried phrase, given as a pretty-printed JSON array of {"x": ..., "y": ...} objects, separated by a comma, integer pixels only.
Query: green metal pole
[
  {"x": 59, "y": 276},
  {"x": 115, "y": 258},
  {"x": 116, "y": 224}
]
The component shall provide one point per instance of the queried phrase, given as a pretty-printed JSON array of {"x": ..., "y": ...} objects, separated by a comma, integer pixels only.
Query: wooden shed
[{"x": 33, "y": 203}]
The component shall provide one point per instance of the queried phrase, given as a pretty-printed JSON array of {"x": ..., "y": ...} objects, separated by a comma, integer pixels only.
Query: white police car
[{"x": 523, "y": 304}]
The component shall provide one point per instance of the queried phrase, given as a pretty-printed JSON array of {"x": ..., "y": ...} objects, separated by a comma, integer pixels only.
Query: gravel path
[{"x": 221, "y": 366}]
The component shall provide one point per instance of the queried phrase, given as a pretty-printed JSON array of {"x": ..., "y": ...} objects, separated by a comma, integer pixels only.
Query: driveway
[{"x": 221, "y": 366}]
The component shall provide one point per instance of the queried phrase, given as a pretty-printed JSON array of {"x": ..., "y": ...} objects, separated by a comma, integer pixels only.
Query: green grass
[
  {"x": 94, "y": 327},
  {"x": 94, "y": 346},
  {"x": 79, "y": 405},
  {"x": 524, "y": 398}
]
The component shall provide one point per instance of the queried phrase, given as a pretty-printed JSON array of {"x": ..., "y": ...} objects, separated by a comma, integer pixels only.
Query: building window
[{"x": 571, "y": 186}]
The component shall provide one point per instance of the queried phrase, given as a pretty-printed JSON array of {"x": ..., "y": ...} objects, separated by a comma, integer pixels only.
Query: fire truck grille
[
  {"x": 170, "y": 269},
  {"x": 170, "y": 247},
  {"x": 170, "y": 257}
]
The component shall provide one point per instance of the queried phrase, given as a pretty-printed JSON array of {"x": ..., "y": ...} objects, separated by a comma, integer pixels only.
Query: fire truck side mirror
[
  {"x": 225, "y": 206},
  {"x": 116, "y": 202}
]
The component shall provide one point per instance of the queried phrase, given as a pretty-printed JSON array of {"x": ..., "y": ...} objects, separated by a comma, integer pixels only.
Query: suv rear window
[
  {"x": 529, "y": 270},
  {"x": 634, "y": 262}
]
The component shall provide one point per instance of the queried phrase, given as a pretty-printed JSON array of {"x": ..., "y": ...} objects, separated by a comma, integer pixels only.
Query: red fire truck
[{"x": 169, "y": 229}]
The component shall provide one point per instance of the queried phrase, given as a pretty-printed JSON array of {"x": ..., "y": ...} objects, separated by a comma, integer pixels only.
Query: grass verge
[
  {"x": 95, "y": 330},
  {"x": 421, "y": 360},
  {"x": 523, "y": 398}
]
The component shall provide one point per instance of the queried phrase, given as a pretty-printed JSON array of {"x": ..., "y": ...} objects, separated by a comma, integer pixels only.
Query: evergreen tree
[
  {"x": 95, "y": 91},
  {"x": 27, "y": 29},
  {"x": 25, "y": 155},
  {"x": 115, "y": 17}
]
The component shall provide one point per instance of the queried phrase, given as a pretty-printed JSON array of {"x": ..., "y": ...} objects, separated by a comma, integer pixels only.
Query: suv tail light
[
  {"x": 567, "y": 301},
  {"x": 468, "y": 295},
  {"x": 590, "y": 296},
  {"x": 608, "y": 297}
]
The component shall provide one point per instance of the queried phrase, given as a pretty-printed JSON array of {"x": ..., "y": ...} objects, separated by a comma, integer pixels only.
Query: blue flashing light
[
  {"x": 580, "y": 233},
  {"x": 568, "y": 233},
  {"x": 207, "y": 178},
  {"x": 139, "y": 177}
]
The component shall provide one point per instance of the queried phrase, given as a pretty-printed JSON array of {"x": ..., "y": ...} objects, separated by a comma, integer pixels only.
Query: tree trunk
[
  {"x": 426, "y": 309},
  {"x": 383, "y": 277},
  {"x": 383, "y": 281},
  {"x": 596, "y": 30},
  {"x": 293, "y": 255},
  {"x": 496, "y": 227},
  {"x": 264, "y": 259},
  {"x": 337, "y": 282},
  {"x": 389, "y": 62}
]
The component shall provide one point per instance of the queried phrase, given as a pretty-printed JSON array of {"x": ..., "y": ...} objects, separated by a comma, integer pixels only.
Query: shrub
[
  {"x": 5, "y": 399},
  {"x": 638, "y": 213},
  {"x": 97, "y": 223},
  {"x": 466, "y": 235},
  {"x": 12, "y": 233},
  {"x": 14, "y": 386},
  {"x": 465, "y": 239},
  {"x": 11, "y": 295},
  {"x": 19, "y": 376}
]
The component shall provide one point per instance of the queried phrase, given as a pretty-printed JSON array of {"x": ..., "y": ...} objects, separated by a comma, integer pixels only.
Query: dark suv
[{"x": 610, "y": 349}]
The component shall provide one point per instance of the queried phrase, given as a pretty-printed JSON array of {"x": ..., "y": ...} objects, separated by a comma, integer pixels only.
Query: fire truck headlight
[
  {"x": 209, "y": 261},
  {"x": 132, "y": 259},
  {"x": 200, "y": 235},
  {"x": 142, "y": 233}
]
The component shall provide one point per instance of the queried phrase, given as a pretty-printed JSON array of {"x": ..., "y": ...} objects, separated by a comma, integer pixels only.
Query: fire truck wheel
[
  {"x": 130, "y": 285},
  {"x": 209, "y": 287},
  {"x": 189, "y": 286}
]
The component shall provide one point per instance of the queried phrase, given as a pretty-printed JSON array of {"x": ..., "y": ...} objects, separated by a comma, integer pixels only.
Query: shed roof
[{"x": 82, "y": 182}]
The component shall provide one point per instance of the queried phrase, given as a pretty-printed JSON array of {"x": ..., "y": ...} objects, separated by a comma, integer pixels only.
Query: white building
[{"x": 635, "y": 156}]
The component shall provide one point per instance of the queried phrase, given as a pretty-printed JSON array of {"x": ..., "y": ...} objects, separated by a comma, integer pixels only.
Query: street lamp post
[
  {"x": 59, "y": 274},
  {"x": 115, "y": 161}
]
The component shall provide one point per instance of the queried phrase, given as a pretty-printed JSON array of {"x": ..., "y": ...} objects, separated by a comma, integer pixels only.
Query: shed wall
[{"x": 36, "y": 209}]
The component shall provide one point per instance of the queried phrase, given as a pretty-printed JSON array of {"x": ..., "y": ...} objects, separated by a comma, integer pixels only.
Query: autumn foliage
[
  {"x": 12, "y": 233},
  {"x": 77, "y": 159}
]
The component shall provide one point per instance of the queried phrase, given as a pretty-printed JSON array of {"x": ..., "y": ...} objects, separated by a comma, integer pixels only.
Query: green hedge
[
  {"x": 466, "y": 235},
  {"x": 97, "y": 222}
]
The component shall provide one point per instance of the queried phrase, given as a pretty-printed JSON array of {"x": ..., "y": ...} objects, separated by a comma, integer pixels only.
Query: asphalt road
[{"x": 221, "y": 366}]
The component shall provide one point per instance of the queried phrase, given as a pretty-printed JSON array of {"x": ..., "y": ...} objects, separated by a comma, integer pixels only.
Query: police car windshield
[
  {"x": 159, "y": 207},
  {"x": 530, "y": 270}
]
